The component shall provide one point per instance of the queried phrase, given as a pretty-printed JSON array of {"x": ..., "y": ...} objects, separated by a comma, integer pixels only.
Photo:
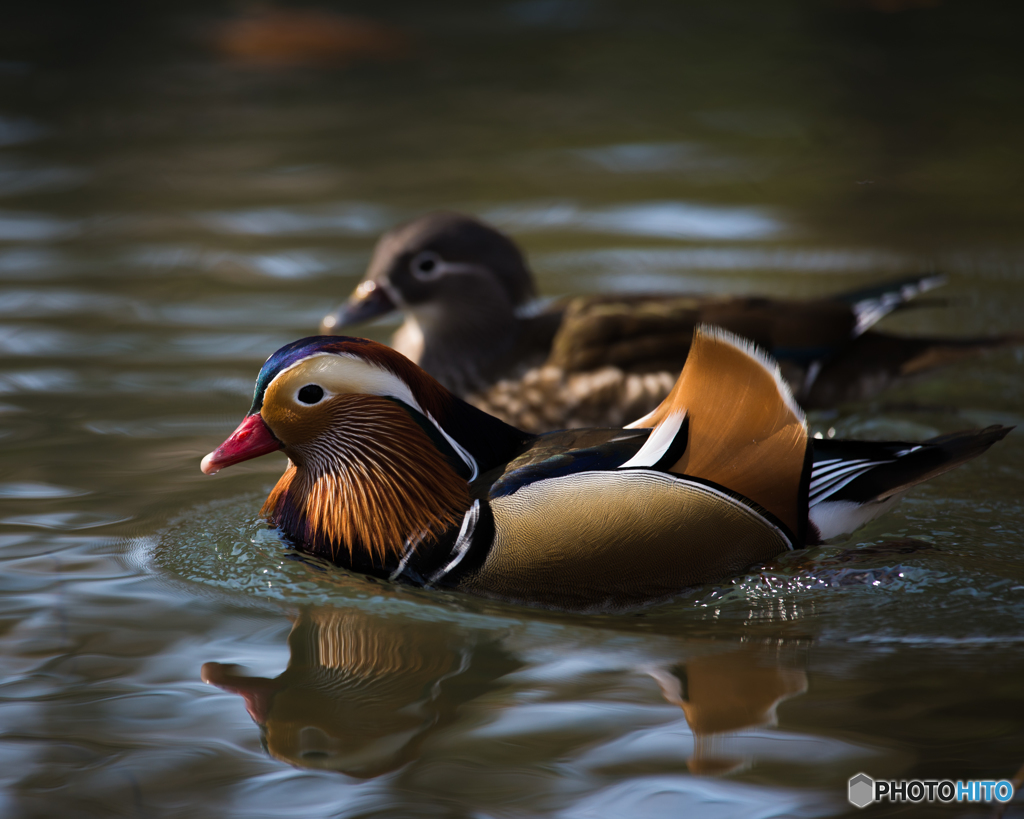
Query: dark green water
[{"x": 169, "y": 217}]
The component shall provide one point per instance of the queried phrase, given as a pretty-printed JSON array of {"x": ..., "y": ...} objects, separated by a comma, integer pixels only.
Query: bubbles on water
[{"x": 875, "y": 587}]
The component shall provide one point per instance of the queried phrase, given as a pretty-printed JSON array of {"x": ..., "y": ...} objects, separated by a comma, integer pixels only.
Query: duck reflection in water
[
  {"x": 363, "y": 693},
  {"x": 724, "y": 693}
]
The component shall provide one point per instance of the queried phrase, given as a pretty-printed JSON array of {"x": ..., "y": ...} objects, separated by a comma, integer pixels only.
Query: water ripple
[
  {"x": 228, "y": 345},
  {"x": 669, "y": 220},
  {"x": 171, "y": 427},
  {"x": 151, "y": 383},
  {"x": 19, "y": 130},
  {"x": 25, "y": 303},
  {"x": 352, "y": 219},
  {"x": 38, "y": 491},
  {"x": 47, "y": 381},
  {"x": 294, "y": 263},
  {"x": 19, "y": 180},
  {"x": 65, "y": 521},
  {"x": 674, "y": 796},
  {"x": 241, "y": 311},
  {"x": 658, "y": 268},
  {"x": 17, "y": 226},
  {"x": 30, "y": 263},
  {"x": 660, "y": 157},
  {"x": 40, "y": 341}
]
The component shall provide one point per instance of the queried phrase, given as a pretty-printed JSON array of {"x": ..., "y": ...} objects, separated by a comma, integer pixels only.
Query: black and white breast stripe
[
  {"x": 462, "y": 542},
  {"x": 427, "y": 564}
]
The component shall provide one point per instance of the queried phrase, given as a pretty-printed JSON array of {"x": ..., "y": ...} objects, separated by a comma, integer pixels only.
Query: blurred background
[{"x": 186, "y": 186}]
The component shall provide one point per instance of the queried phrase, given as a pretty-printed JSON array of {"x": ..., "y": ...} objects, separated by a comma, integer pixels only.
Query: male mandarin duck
[
  {"x": 392, "y": 475},
  {"x": 470, "y": 321}
]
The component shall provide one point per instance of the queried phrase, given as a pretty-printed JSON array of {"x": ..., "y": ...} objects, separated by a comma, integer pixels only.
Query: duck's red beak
[{"x": 252, "y": 439}]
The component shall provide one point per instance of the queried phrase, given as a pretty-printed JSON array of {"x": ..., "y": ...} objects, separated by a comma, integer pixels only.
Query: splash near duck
[
  {"x": 472, "y": 320},
  {"x": 392, "y": 475}
]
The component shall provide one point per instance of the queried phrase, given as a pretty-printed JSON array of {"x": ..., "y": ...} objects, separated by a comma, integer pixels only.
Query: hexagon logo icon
[{"x": 862, "y": 790}]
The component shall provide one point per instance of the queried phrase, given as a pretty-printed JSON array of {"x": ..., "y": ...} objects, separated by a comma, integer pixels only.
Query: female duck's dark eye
[
  {"x": 311, "y": 393},
  {"x": 426, "y": 265}
]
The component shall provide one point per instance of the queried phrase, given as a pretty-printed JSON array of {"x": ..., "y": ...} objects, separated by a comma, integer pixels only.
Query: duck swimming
[
  {"x": 467, "y": 296},
  {"x": 392, "y": 475}
]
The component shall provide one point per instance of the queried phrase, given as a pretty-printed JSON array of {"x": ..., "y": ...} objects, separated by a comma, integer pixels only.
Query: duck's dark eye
[
  {"x": 426, "y": 265},
  {"x": 311, "y": 393}
]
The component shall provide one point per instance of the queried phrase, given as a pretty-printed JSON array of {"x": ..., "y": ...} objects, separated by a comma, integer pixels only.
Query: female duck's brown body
[
  {"x": 466, "y": 291},
  {"x": 392, "y": 475}
]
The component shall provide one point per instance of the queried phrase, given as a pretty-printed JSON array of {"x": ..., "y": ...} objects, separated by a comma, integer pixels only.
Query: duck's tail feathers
[
  {"x": 876, "y": 360},
  {"x": 871, "y": 304},
  {"x": 922, "y": 354},
  {"x": 853, "y": 482},
  {"x": 744, "y": 430}
]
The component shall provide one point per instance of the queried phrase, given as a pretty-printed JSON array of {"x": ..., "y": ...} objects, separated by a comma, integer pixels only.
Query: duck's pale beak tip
[
  {"x": 369, "y": 301},
  {"x": 209, "y": 464}
]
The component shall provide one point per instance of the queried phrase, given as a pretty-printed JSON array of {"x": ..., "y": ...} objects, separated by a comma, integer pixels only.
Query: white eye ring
[{"x": 427, "y": 266}]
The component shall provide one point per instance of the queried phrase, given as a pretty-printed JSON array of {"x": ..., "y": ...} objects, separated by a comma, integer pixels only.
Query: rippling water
[{"x": 175, "y": 205}]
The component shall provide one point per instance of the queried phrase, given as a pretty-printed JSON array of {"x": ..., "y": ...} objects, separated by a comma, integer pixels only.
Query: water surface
[{"x": 171, "y": 212}]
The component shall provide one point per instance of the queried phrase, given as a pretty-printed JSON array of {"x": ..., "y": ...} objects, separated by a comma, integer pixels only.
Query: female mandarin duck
[
  {"x": 466, "y": 293},
  {"x": 394, "y": 476}
]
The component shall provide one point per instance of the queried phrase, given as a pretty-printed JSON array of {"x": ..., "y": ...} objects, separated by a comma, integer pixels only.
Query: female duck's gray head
[{"x": 458, "y": 283}]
